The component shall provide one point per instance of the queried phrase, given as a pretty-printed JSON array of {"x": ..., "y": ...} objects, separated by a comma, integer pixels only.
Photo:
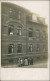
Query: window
[
  {"x": 30, "y": 32},
  {"x": 19, "y": 31},
  {"x": 37, "y": 33},
  {"x": 37, "y": 49},
  {"x": 10, "y": 13},
  {"x": 44, "y": 48},
  {"x": 10, "y": 30},
  {"x": 44, "y": 34},
  {"x": 34, "y": 33},
  {"x": 10, "y": 10},
  {"x": 30, "y": 48},
  {"x": 11, "y": 46},
  {"x": 19, "y": 15},
  {"x": 19, "y": 48},
  {"x": 34, "y": 17},
  {"x": 41, "y": 20}
]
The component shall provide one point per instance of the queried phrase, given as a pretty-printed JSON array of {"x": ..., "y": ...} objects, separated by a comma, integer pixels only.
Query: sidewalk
[{"x": 40, "y": 64}]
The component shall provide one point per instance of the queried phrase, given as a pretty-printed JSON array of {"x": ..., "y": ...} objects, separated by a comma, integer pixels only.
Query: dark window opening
[
  {"x": 30, "y": 32},
  {"x": 37, "y": 49},
  {"x": 19, "y": 31},
  {"x": 10, "y": 30},
  {"x": 19, "y": 48},
  {"x": 30, "y": 48},
  {"x": 37, "y": 33},
  {"x": 11, "y": 46}
]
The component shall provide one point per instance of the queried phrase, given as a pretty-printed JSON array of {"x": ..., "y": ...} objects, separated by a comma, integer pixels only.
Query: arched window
[
  {"x": 10, "y": 30},
  {"x": 19, "y": 31}
]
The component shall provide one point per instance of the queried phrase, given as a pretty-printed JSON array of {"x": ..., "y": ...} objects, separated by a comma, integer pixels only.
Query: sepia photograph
[
  {"x": 24, "y": 40},
  {"x": 24, "y": 37}
]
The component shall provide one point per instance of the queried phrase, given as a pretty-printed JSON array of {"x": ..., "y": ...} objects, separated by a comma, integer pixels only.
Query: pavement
[{"x": 40, "y": 64}]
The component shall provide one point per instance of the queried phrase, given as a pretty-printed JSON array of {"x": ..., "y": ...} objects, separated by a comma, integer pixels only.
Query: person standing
[
  {"x": 21, "y": 62},
  {"x": 26, "y": 62},
  {"x": 31, "y": 61}
]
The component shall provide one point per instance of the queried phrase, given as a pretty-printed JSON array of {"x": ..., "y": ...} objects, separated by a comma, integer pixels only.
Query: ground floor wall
[{"x": 10, "y": 59}]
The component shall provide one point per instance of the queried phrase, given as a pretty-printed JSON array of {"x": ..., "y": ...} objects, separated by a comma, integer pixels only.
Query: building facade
[{"x": 23, "y": 34}]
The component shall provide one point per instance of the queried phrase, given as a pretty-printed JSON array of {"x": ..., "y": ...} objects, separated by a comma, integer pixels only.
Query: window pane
[
  {"x": 19, "y": 31},
  {"x": 30, "y": 32},
  {"x": 19, "y": 48},
  {"x": 37, "y": 33},
  {"x": 19, "y": 15},
  {"x": 11, "y": 48},
  {"x": 30, "y": 48},
  {"x": 44, "y": 34},
  {"x": 37, "y": 49},
  {"x": 10, "y": 31},
  {"x": 44, "y": 48}
]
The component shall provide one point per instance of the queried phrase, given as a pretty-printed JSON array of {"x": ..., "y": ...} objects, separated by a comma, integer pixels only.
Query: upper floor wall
[
  {"x": 10, "y": 12},
  {"x": 16, "y": 20}
]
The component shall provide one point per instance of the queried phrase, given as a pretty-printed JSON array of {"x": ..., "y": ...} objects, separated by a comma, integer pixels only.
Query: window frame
[
  {"x": 30, "y": 31},
  {"x": 11, "y": 30},
  {"x": 11, "y": 47},
  {"x": 19, "y": 30},
  {"x": 18, "y": 45},
  {"x": 37, "y": 48},
  {"x": 30, "y": 47},
  {"x": 37, "y": 33}
]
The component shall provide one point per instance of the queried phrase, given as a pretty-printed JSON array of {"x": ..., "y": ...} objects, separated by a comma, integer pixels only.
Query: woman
[
  {"x": 21, "y": 62},
  {"x": 26, "y": 62}
]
